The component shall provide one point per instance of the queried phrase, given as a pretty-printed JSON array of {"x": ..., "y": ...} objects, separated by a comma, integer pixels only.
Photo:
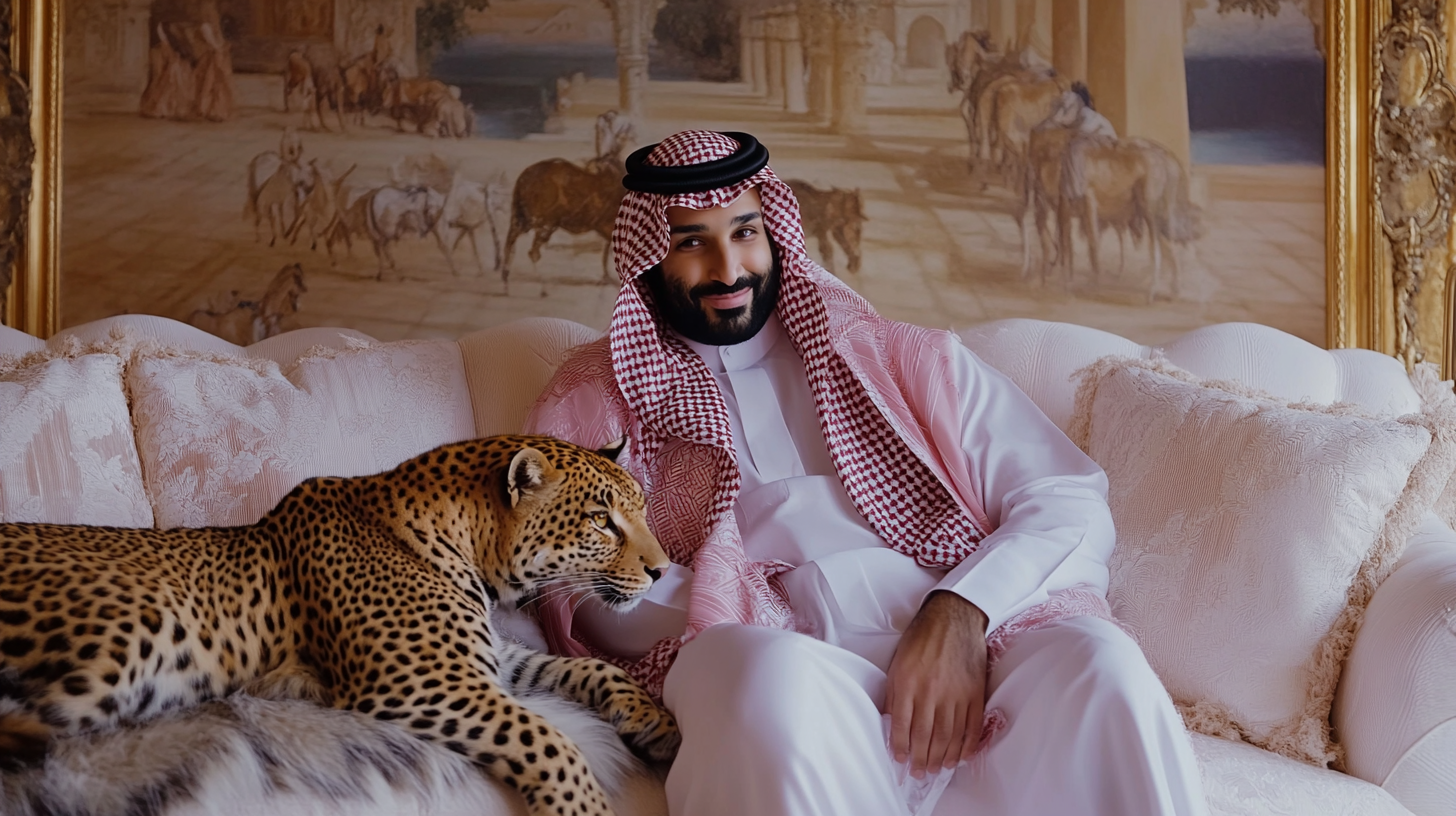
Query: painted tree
[
  {"x": 440, "y": 24},
  {"x": 701, "y": 35},
  {"x": 1313, "y": 9}
]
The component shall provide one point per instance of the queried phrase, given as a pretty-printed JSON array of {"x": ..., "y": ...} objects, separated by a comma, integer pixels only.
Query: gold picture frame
[
  {"x": 1362, "y": 303},
  {"x": 35, "y": 49}
]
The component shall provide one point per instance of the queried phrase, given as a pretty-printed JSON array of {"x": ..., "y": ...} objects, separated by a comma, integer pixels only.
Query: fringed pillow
[{"x": 1251, "y": 535}]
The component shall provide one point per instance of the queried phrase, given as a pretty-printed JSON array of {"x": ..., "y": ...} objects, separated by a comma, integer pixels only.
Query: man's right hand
[{"x": 936, "y": 689}]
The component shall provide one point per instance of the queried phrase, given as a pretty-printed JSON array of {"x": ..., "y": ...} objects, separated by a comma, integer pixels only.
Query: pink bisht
[{"x": 886, "y": 402}]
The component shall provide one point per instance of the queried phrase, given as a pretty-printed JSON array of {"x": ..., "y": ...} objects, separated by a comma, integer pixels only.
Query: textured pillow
[
  {"x": 1251, "y": 535},
  {"x": 224, "y": 438},
  {"x": 1438, "y": 397},
  {"x": 66, "y": 450}
]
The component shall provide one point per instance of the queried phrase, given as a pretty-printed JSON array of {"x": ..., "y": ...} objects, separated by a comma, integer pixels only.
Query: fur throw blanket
[{"x": 242, "y": 756}]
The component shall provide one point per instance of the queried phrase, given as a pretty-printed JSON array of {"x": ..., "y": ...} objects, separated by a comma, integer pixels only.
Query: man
[
  {"x": 852, "y": 506},
  {"x": 1074, "y": 110}
]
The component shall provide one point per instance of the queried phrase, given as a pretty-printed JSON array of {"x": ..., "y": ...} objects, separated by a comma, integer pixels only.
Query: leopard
[{"x": 372, "y": 594}]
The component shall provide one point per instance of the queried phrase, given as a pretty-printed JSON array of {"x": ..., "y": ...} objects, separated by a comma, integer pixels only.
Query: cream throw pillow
[
  {"x": 66, "y": 450},
  {"x": 1437, "y": 396},
  {"x": 1250, "y": 536},
  {"x": 224, "y": 438}
]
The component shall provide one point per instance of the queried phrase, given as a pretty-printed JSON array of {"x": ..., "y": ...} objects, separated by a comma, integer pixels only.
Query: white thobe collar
[{"x": 739, "y": 356}]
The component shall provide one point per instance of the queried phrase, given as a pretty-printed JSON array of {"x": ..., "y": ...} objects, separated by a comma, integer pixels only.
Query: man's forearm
[{"x": 953, "y": 611}]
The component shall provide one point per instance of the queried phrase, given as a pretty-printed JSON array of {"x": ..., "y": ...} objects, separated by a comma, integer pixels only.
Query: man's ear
[
  {"x": 527, "y": 473},
  {"x": 612, "y": 449}
]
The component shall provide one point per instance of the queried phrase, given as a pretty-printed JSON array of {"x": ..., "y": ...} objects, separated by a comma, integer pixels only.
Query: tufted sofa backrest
[
  {"x": 1043, "y": 357},
  {"x": 335, "y": 402}
]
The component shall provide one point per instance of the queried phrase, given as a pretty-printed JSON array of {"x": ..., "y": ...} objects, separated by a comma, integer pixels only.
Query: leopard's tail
[{"x": 24, "y": 737}]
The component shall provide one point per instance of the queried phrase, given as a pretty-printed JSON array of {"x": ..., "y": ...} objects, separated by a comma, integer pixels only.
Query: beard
[{"x": 684, "y": 311}]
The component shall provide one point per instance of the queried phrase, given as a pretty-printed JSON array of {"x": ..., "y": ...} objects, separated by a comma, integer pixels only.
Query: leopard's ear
[
  {"x": 612, "y": 449},
  {"x": 526, "y": 473}
]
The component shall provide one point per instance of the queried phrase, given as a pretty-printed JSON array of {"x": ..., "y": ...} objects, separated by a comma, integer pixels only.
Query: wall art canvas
[{"x": 422, "y": 168}]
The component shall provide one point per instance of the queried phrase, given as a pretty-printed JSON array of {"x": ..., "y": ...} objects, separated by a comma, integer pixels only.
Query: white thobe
[{"x": 780, "y": 724}]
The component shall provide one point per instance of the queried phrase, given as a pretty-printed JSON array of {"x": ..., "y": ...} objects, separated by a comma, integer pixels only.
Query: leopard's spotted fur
[{"x": 372, "y": 594}]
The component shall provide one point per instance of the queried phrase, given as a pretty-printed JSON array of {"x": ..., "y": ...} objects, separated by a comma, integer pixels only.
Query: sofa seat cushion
[
  {"x": 67, "y": 455},
  {"x": 224, "y": 437},
  {"x": 1251, "y": 535},
  {"x": 1241, "y": 780}
]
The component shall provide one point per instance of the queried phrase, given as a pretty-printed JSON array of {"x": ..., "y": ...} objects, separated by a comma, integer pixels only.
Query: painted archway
[{"x": 925, "y": 43}]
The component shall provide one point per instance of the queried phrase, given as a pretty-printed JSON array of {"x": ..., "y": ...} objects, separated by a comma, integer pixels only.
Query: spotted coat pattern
[{"x": 372, "y": 594}]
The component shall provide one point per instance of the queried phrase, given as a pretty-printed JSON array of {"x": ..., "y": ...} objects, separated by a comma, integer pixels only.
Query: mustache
[{"x": 718, "y": 288}]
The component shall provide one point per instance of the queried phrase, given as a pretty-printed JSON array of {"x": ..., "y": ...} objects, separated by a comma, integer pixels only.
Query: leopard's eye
[{"x": 600, "y": 519}]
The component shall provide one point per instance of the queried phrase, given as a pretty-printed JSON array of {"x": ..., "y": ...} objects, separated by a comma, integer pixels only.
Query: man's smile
[{"x": 732, "y": 300}]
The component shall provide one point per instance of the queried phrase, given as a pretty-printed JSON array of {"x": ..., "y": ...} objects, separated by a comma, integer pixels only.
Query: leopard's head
[{"x": 576, "y": 520}]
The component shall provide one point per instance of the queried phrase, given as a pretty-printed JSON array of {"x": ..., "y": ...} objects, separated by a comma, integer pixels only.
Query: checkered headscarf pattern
[{"x": 674, "y": 395}]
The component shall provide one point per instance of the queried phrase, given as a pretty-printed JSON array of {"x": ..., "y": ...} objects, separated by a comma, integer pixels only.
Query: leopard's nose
[{"x": 654, "y": 574}]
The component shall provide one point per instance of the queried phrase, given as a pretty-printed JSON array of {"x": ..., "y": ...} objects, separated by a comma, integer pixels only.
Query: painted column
[
  {"x": 632, "y": 25},
  {"x": 980, "y": 16},
  {"x": 817, "y": 25},
  {"x": 1034, "y": 27},
  {"x": 1001, "y": 22},
  {"x": 1069, "y": 38},
  {"x": 851, "y": 62},
  {"x": 745, "y": 49},
  {"x": 405, "y": 38},
  {"x": 135, "y": 45},
  {"x": 1135, "y": 69},
  {"x": 758, "y": 51},
  {"x": 796, "y": 94},
  {"x": 774, "y": 58}
]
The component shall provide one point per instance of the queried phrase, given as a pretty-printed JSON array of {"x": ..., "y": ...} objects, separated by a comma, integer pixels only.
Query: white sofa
[{"x": 331, "y": 401}]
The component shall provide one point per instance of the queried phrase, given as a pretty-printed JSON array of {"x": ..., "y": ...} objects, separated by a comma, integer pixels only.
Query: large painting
[{"x": 422, "y": 168}]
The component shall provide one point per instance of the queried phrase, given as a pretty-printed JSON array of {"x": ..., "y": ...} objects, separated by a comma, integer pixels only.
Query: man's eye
[
  {"x": 746, "y": 232},
  {"x": 689, "y": 243}
]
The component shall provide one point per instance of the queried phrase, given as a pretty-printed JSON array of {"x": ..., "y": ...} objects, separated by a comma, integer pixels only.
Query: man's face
[{"x": 719, "y": 282}]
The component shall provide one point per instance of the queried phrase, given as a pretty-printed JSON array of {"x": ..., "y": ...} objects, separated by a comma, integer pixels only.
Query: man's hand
[{"x": 936, "y": 690}]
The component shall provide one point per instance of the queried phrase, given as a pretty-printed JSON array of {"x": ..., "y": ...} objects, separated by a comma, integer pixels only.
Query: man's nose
[{"x": 723, "y": 265}]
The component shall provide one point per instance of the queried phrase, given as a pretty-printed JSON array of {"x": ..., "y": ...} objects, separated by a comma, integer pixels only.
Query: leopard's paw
[{"x": 651, "y": 732}]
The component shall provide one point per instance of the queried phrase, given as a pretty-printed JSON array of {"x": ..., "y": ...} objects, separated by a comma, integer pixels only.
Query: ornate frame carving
[
  {"x": 35, "y": 53},
  {"x": 1414, "y": 155},
  {"x": 1369, "y": 245}
]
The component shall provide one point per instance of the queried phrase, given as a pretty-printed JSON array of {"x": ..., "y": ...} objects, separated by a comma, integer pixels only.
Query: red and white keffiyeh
[
  {"x": 675, "y": 395},
  {"x": 679, "y": 440}
]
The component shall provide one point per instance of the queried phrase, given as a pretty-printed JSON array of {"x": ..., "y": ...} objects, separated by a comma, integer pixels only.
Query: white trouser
[{"x": 779, "y": 724}]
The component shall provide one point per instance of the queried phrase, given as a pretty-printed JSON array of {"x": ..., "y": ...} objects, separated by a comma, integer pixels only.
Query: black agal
[{"x": 642, "y": 177}]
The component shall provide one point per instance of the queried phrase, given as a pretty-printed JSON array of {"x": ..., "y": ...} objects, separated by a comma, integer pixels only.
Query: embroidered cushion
[
  {"x": 223, "y": 438},
  {"x": 66, "y": 451},
  {"x": 1251, "y": 535}
]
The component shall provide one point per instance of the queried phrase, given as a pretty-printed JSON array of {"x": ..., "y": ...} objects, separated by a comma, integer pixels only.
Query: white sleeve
[{"x": 1046, "y": 500}]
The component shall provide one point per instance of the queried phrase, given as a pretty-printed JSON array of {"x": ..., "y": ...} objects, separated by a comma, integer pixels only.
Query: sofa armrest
[{"x": 1396, "y": 708}]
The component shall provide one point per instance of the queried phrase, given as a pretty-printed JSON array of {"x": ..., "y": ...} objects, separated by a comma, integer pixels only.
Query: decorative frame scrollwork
[
  {"x": 33, "y": 44},
  {"x": 1415, "y": 164},
  {"x": 17, "y": 153}
]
